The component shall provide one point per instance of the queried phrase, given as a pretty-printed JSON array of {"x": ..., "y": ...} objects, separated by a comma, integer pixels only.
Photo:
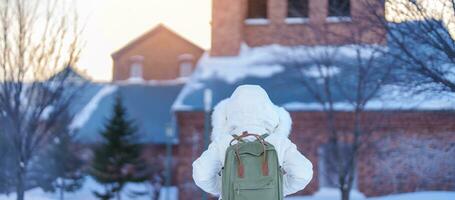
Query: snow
[
  {"x": 90, "y": 185},
  {"x": 448, "y": 70},
  {"x": 82, "y": 117},
  {"x": 136, "y": 80},
  {"x": 321, "y": 72},
  {"x": 329, "y": 194},
  {"x": 264, "y": 62},
  {"x": 297, "y": 20},
  {"x": 389, "y": 98},
  {"x": 334, "y": 194},
  {"x": 249, "y": 63},
  {"x": 396, "y": 97},
  {"x": 233, "y": 73},
  {"x": 256, "y": 62},
  {"x": 338, "y": 19},
  {"x": 86, "y": 193},
  {"x": 188, "y": 89},
  {"x": 47, "y": 112},
  {"x": 257, "y": 21},
  {"x": 341, "y": 106},
  {"x": 419, "y": 196}
]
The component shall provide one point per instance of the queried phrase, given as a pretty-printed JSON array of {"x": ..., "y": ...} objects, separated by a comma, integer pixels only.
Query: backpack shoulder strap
[
  {"x": 264, "y": 136},
  {"x": 236, "y": 138}
]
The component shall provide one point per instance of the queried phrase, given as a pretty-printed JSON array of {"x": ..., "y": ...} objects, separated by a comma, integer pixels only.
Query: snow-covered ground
[
  {"x": 86, "y": 193},
  {"x": 333, "y": 194},
  {"x": 90, "y": 185}
]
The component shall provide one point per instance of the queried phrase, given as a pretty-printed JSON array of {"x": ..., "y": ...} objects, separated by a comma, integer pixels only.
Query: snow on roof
[
  {"x": 148, "y": 105},
  {"x": 264, "y": 66},
  {"x": 141, "y": 81},
  {"x": 224, "y": 69},
  {"x": 82, "y": 117}
]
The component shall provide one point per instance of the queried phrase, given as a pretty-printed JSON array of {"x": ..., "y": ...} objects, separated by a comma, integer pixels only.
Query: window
[
  {"x": 339, "y": 8},
  {"x": 136, "y": 70},
  {"x": 185, "y": 69},
  {"x": 257, "y": 9},
  {"x": 298, "y": 8},
  {"x": 136, "y": 67},
  {"x": 186, "y": 64}
]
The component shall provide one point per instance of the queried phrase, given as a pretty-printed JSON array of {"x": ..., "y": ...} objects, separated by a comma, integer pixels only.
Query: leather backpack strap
[
  {"x": 260, "y": 138},
  {"x": 236, "y": 138}
]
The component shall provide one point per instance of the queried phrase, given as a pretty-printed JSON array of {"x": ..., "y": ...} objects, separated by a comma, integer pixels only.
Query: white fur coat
[{"x": 250, "y": 109}]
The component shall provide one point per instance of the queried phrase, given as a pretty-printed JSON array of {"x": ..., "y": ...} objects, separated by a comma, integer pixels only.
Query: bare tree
[
  {"x": 421, "y": 42},
  {"x": 38, "y": 39},
  {"x": 423, "y": 50},
  {"x": 343, "y": 79},
  {"x": 339, "y": 86}
]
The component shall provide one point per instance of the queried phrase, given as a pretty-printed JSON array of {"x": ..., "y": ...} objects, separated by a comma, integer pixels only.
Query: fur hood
[{"x": 249, "y": 109}]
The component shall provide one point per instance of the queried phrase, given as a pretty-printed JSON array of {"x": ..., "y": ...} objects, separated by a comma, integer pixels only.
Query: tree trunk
[
  {"x": 156, "y": 194},
  {"x": 20, "y": 185},
  {"x": 62, "y": 190},
  {"x": 61, "y": 194},
  {"x": 345, "y": 194}
]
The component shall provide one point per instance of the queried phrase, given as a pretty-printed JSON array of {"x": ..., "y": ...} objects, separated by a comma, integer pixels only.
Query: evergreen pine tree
[{"x": 117, "y": 160}]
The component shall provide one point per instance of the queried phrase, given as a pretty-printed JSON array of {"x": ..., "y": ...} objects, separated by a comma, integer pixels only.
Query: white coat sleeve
[
  {"x": 298, "y": 168},
  {"x": 206, "y": 169}
]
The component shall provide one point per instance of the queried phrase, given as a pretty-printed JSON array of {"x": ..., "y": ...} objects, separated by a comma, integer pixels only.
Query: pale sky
[{"x": 111, "y": 24}]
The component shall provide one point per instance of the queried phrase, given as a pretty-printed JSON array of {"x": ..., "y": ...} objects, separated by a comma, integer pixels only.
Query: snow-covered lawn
[
  {"x": 86, "y": 192},
  {"x": 328, "y": 194},
  {"x": 333, "y": 194},
  {"x": 324, "y": 194}
]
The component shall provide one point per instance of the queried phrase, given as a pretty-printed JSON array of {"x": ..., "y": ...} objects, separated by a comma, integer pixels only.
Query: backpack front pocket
[{"x": 261, "y": 189}]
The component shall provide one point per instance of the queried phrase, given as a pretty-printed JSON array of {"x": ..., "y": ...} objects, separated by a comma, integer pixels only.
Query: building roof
[
  {"x": 148, "y": 105},
  {"x": 72, "y": 74},
  {"x": 160, "y": 28},
  {"x": 270, "y": 67}
]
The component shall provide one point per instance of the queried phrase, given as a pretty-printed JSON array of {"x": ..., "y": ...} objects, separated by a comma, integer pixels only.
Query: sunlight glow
[{"x": 111, "y": 24}]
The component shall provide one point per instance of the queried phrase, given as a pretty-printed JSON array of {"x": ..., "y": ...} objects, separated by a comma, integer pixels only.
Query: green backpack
[{"x": 251, "y": 170}]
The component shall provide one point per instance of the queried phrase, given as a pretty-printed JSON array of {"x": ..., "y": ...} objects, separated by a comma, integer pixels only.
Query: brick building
[
  {"x": 160, "y": 54},
  {"x": 291, "y": 22},
  {"x": 248, "y": 38}
]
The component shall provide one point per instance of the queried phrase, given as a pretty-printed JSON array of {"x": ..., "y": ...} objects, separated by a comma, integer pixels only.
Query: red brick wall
[
  {"x": 309, "y": 132},
  {"x": 229, "y": 29},
  {"x": 412, "y": 152},
  {"x": 190, "y": 130},
  {"x": 155, "y": 156}
]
